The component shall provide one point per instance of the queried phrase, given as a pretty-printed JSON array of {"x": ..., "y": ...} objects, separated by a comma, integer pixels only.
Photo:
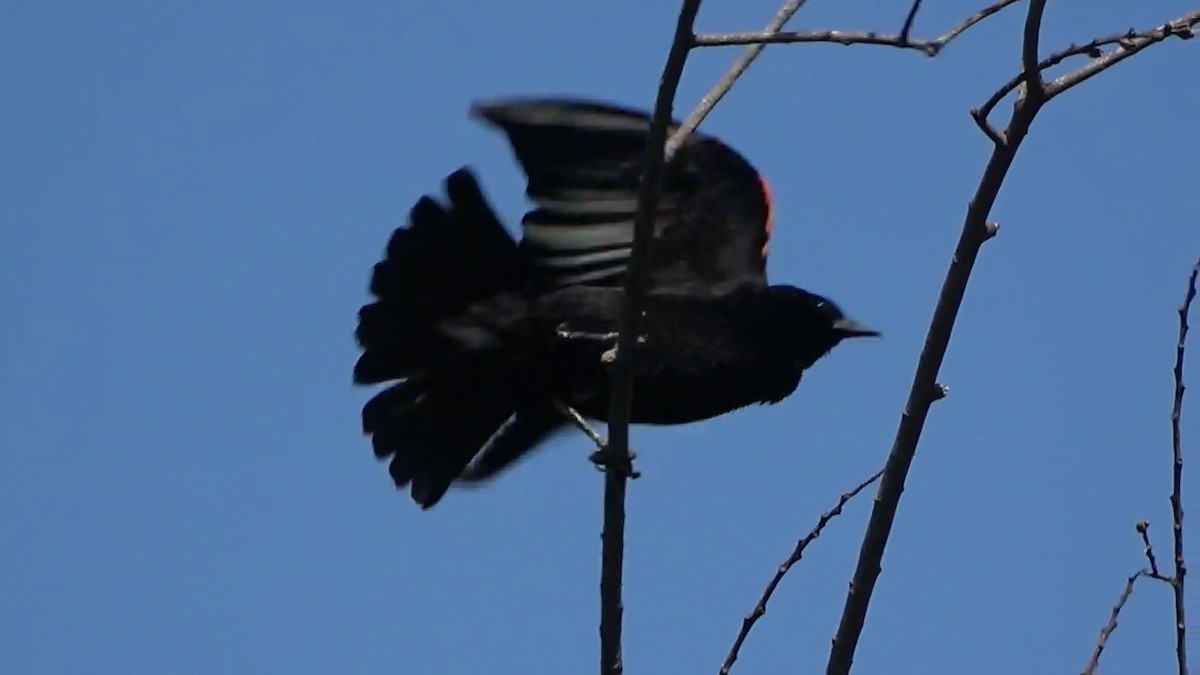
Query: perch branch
[{"x": 622, "y": 365}]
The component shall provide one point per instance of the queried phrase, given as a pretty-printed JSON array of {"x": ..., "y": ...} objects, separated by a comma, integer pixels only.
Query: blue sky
[{"x": 193, "y": 195}]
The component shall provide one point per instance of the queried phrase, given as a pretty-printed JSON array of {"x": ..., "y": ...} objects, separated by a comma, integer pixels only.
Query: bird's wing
[{"x": 583, "y": 161}]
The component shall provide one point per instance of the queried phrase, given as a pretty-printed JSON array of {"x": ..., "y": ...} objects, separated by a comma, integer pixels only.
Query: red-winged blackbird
[{"x": 490, "y": 338}]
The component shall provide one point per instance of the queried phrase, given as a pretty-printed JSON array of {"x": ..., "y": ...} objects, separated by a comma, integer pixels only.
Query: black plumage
[{"x": 489, "y": 337}]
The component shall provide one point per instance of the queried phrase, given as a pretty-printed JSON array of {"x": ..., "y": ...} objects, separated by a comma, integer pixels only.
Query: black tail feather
[
  {"x": 448, "y": 258},
  {"x": 432, "y": 428},
  {"x": 446, "y": 289}
]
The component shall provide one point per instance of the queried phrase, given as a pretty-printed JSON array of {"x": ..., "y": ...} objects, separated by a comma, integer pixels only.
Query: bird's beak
[{"x": 849, "y": 328}]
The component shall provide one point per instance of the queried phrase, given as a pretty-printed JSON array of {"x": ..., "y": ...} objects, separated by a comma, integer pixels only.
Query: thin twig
[
  {"x": 974, "y": 19},
  {"x": 622, "y": 365},
  {"x": 730, "y": 77},
  {"x": 797, "y": 553},
  {"x": 1143, "y": 528},
  {"x": 840, "y": 37},
  {"x": 1129, "y": 43},
  {"x": 906, "y": 30},
  {"x": 901, "y": 40},
  {"x": 1132, "y": 44},
  {"x": 1111, "y": 626},
  {"x": 1177, "y": 475}
]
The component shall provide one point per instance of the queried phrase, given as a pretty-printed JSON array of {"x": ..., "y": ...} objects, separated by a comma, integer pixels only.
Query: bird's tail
[{"x": 448, "y": 295}]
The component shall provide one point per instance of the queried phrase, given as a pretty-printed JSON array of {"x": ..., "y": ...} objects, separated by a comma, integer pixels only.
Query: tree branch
[
  {"x": 761, "y": 608},
  {"x": 906, "y": 29},
  {"x": 730, "y": 77},
  {"x": 1128, "y": 43},
  {"x": 621, "y": 368},
  {"x": 974, "y": 233},
  {"x": 1177, "y": 475},
  {"x": 1143, "y": 528},
  {"x": 1111, "y": 626},
  {"x": 902, "y": 40}
]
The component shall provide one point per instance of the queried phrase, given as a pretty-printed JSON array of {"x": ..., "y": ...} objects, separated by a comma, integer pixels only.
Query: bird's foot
[
  {"x": 606, "y": 460},
  {"x": 608, "y": 339},
  {"x": 567, "y": 334}
]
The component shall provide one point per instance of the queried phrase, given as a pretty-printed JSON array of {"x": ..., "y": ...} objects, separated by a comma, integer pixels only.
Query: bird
[{"x": 487, "y": 343}]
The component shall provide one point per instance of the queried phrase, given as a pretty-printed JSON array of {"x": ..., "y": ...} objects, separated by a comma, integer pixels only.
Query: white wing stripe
[
  {"x": 583, "y": 259},
  {"x": 574, "y": 237}
]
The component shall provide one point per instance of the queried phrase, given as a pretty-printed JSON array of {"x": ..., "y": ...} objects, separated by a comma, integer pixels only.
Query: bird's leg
[
  {"x": 609, "y": 339},
  {"x": 568, "y": 334},
  {"x": 580, "y": 423},
  {"x": 601, "y": 457}
]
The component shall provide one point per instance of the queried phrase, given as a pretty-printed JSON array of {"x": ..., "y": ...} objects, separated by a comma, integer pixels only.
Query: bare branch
[
  {"x": 1128, "y": 43},
  {"x": 1112, "y": 622},
  {"x": 974, "y": 19},
  {"x": 1143, "y": 529},
  {"x": 1177, "y": 477},
  {"x": 1029, "y": 50},
  {"x": 901, "y": 40},
  {"x": 621, "y": 368},
  {"x": 730, "y": 77},
  {"x": 841, "y": 37},
  {"x": 974, "y": 233},
  {"x": 797, "y": 553},
  {"x": 906, "y": 30}
]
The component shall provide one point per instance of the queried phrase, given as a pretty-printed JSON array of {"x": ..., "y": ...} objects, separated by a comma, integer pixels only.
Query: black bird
[{"x": 490, "y": 338}]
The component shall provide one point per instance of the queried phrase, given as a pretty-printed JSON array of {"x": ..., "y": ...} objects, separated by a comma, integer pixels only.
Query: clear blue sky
[{"x": 193, "y": 195}]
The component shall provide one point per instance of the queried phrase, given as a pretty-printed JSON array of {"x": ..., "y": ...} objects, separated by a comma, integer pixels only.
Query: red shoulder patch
[{"x": 770, "y": 204}]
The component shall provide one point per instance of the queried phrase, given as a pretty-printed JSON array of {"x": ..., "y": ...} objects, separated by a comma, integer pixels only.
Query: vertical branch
[
  {"x": 622, "y": 365},
  {"x": 925, "y": 389},
  {"x": 1177, "y": 476}
]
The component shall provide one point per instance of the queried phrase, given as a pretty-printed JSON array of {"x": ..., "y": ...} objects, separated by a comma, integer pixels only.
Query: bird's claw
[
  {"x": 568, "y": 334},
  {"x": 606, "y": 460},
  {"x": 565, "y": 332}
]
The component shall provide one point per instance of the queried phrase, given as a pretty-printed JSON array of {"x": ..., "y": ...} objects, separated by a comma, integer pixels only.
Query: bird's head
[{"x": 814, "y": 324}]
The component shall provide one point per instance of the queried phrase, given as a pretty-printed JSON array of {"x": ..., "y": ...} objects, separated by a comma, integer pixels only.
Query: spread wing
[{"x": 583, "y": 162}]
